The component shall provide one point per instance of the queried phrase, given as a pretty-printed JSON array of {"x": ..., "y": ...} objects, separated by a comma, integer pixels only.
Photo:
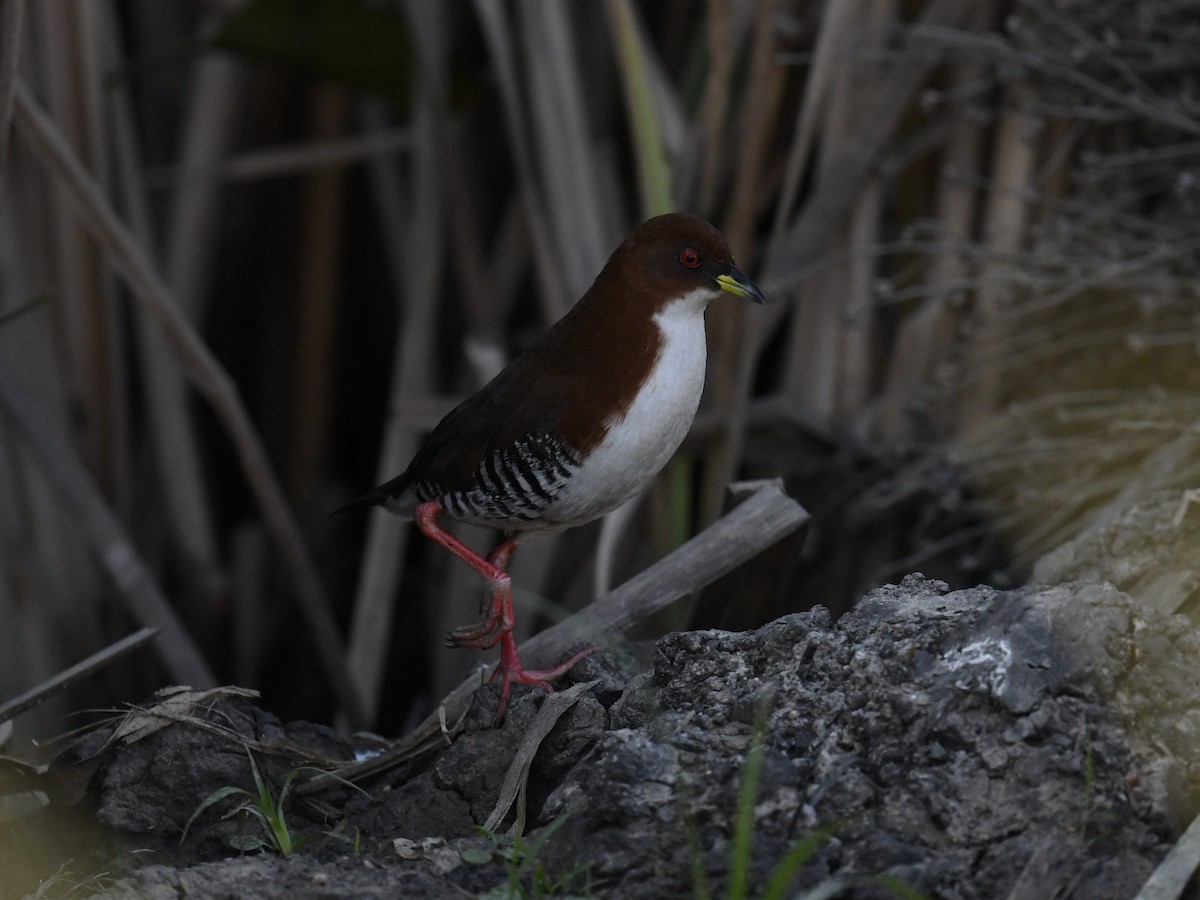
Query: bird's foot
[
  {"x": 482, "y": 635},
  {"x": 498, "y": 617},
  {"x": 510, "y": 669}
]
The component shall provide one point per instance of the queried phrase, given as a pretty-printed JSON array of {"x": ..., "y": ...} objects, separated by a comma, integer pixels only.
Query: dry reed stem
[
  {"x": 416, "y": 253},
  {"x": 320, "y": 252},
  {"x": 47, "y": 568},
  {"x": 172, "y": 431},
  {"x": 759, "y": 114},
  {"x": 556, "y": 104},
  {"x": 653, "y": 177},
  {"x": 925, "y": 336},
  {"x": 486, "y": 305},
  {"x": 1005, "y": 218},
  {"x": 205, "y": 373},
  {"x": 69, "y": 676},
  {"x": 118, "y": 557},
  {"x": 734, "y": 340},
  {"x": 214, "y": 104},
  {"x": 835, "y": 25},
  {"x": 12, "y": 13},
  {"x": 283, "y": 161},
  {"x": 855, "y": 355},
  {"x": 829, "y": 356},
  {"x": 804, "y": 240},
  {"x": 82, "y": 314},
  {"x": 715, "y": 108},
  {"x": 553, "y": 290}
]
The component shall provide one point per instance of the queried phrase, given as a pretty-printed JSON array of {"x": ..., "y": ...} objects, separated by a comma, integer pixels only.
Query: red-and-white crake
[{"x": 579, "y": 423}]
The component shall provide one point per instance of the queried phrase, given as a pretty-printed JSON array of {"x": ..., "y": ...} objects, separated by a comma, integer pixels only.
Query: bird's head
[{"x": 678, "y": 254}]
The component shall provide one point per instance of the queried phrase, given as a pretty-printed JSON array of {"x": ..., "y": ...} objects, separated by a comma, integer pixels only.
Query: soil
[{"x": 972, "y": 744}]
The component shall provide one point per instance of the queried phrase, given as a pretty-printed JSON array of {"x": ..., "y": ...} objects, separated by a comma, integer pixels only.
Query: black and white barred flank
[{"x": 516, "y": 483}]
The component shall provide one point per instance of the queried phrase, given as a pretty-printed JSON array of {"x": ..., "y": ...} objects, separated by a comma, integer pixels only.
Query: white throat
[{"x": 639, "y": 443}]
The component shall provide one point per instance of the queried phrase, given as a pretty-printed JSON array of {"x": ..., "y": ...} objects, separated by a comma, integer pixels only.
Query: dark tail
[
  {"x": 372, "y": 499},
  {"x": 376, "y": 497}
]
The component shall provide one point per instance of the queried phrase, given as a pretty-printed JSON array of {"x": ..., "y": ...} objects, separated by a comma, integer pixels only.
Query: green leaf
[
  {"x": 476, "y": 856},
  {"x": 354, "y": 45},
  {"x": 215, "y": 797},
  {"x": 264, "y": 797},
  {"x": 247, "y": 843}
]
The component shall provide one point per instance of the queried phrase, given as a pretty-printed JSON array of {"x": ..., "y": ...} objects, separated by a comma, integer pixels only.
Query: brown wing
[{"x": 509, "y": 408}]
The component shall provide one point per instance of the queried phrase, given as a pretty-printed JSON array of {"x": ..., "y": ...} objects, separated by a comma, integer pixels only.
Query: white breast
[{"x": 639, "y": 444}]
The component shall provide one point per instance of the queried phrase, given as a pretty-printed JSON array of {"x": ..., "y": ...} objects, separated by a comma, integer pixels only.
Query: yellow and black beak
[{"x": 737, "y": 283}]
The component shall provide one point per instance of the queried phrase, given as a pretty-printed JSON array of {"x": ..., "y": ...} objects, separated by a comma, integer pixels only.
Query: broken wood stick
[
  {"x": 765, "y": 516},
  {"x": 1171, "y": 878}
]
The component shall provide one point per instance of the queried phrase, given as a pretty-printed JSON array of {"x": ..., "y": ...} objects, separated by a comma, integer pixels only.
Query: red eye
[{"x": 689, "y": 257}]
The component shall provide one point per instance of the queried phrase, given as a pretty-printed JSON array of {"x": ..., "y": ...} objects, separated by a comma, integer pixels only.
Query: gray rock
[
  {"x": 1146, "y": 548},
  {"x": 975, "y": 744}
]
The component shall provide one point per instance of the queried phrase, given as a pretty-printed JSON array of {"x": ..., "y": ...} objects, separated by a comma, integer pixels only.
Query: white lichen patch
[{"x": 982, "y": 664}]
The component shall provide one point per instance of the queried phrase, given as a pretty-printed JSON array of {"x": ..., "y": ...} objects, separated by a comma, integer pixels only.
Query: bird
[{"x": 576, "y": 425}]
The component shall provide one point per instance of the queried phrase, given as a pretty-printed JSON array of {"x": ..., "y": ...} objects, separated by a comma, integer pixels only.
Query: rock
[
  {"x": 973, "y": 744},
  {"x": 1146, "y": 548},
  {"x": 153, "y": 784},
  {"x": 943, "y": 739}
]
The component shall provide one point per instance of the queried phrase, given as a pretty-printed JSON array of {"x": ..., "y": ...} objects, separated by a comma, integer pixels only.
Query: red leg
[
  {"x": 511, "y": 669},
  {"x": 495, "y": 608},
  {"x": 497, "y": 624},
  {"x": 497, "y": 604}
]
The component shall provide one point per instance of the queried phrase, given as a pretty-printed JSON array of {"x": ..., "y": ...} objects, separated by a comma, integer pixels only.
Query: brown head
[
  {"x": 602, "y": 351},
  {"x": 669, "y": 256}
]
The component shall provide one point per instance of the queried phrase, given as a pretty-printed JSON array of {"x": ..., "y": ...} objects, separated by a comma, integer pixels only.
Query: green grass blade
[
  {"x": 215, "y": 797},
  {"x": 533, "y": 848},
  {"x": 792, "y": 862},
  {"x": 700, "y": 889},
  {"x": 261, "y": 788},
  {"x": 901, "y": 889},
  {"x": 654, "y": 178},
  {"x": 743, "y": 830}
]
